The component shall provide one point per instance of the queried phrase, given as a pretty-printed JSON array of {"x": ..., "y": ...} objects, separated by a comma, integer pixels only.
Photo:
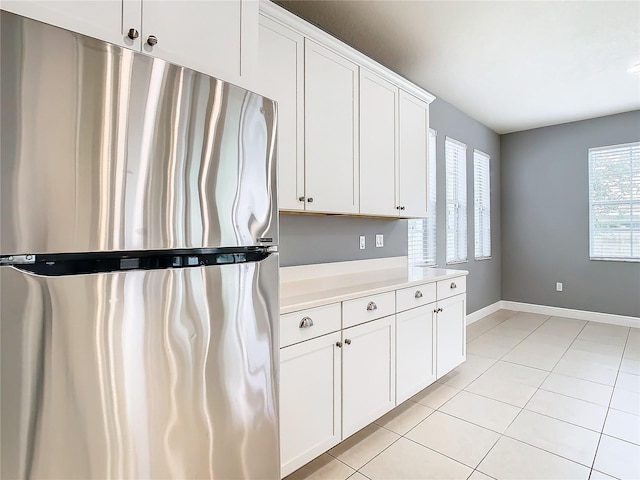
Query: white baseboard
[
  {"x": 483, "y": 312},
  {"x": 611, "y": 319}
]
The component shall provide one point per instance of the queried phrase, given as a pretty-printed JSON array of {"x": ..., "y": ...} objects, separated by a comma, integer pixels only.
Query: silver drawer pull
[
  {"x": 372, "y": 306},
  {"x": 306, "y": 322},
  {"x": 418, "y": 294},
  {"x": 453, "y": 285}
]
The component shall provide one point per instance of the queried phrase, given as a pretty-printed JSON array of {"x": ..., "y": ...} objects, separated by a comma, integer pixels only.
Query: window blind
[
  {"x": 614, "y": 202},
  {"x": 456, "y": 196},
  {"x": 422, "y": 231},
  {"x": 482, "y": 204}
]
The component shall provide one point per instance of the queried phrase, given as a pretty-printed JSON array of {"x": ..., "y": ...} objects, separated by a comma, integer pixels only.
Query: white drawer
[
  {"x": 307, "y": 324},
  {"x": 451, "y": 287},
  {"x": 360, "y": 310},
  {"x": 415, "y": 296}
]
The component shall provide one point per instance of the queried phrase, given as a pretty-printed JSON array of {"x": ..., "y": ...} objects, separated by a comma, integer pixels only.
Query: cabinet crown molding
[{"x": 292, "y": 21}]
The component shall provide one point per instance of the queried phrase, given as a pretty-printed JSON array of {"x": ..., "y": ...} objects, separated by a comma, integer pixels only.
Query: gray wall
[
  {"x": 306, "y": 239},
  {"x": 545, "y": 219}
]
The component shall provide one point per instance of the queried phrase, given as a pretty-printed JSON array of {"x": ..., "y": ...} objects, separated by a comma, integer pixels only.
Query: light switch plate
[
  {"x": 379, "y": 240},
  {"x": 362, "y": 242}
]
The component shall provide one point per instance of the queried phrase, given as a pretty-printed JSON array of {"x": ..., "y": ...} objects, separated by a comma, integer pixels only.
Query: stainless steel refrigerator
[{"x": 139, "y": 266}]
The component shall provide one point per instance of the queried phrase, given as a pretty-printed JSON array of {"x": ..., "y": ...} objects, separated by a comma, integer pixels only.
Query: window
[
  {"x": 614, "y": 202},
  {"x": 482, "y": 204},
  {"x": 422, "y": 231},
  {"x": 456, "y": 172}
]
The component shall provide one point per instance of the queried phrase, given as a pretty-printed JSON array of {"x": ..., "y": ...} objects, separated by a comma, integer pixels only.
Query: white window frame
[
  {"x": 455, "y": 153},
  {"x": 626, "y": 176},
  {"x": 422, "y": 232},
  {"x": 482, "y": 205}
]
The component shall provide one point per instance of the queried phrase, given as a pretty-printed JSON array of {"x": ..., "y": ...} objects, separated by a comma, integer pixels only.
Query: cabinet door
[
  {"x": 216, "y": 38},
  {"x": 415, "y": 361},
  {"x": 107, "y": 20},
  {"x": 368, "y": 373},
  {"x": 280, "y": 77},
  {"x": 378, "y": 147},
  {"x": 413, "y": 151},
  {"x": 331, "y": 144},
  {"x": 309, "y": 400},
  {"x": 451, "y": 347}
]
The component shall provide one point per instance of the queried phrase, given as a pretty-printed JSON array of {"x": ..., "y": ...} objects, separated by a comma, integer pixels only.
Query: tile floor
[{"x": 538, "y": 398}]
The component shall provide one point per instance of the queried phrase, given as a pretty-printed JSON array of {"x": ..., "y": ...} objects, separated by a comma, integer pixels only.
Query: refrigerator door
[
  {"x": 145, "y": 374},
  {"x": 105, "y": 149}
]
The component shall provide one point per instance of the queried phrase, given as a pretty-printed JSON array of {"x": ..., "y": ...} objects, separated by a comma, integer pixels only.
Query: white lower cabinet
[
  {"x": 368, "y": 373},
  {"x": 415, "y": 353},
  {"x": 309, "y": 400},
  {"x": 450, "y": 333}
]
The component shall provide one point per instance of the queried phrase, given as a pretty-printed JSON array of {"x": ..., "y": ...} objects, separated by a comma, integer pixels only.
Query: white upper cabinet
[
  {"x": 378, "y": 145},
  {"x": 216, "y": 38},
  {"x": 219, "y": 38},
  {"x": 280, "y": 74},
  {"x": 331, "y": 137},
  {"x": 101, "y": 19},
  {"x": 413, "y": 155}
]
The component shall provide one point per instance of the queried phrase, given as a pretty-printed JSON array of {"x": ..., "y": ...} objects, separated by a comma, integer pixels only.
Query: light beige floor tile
[
  {"x": 538, "y": 337},
  {"x": 628, "y": 381},
  {"x": 476, "y": 475},
  {"x": 513, "y": 460},
  {"x": 590, "y": 371},
  {"x": 404, "y": 417},
  {"x": 512, "y": 372},
  {"x": 596, "y": 475},
  {"x": 555, "y": 436},
  {"x": 357, "y": 476},
  {"x": 510, "y": 331},
  {"x": 407, "y": 460},
  {"x": 611, "y": 361},
  {"x": 501, "y": 314},
  {"x": 435, "y": 395},
  {"x": 618, "y": 458},
  {"x": 562, "y": 327},
  {"x": 632, "y": 353},
  {"x": 578, "y": 388},
  {"x": 585, "y": 414},
  {"x": 487, "y": 323},
  {"x": 622, "y": 425},
  {"x": 626, "y": 401},
  {"x": 515, "y": 394},
  {"x": 630, "y": 366},
  {"x": 466, "y": 373},
  {"x": 491, "y": 346},
  {"x": 455, "y": 438},
  {"x": 603, "y": 333},
  {"x": 325, "y": 467},
  {"x": 526, "y": 321},
  {"x": 599, "y": 348},
  {"x": 361, "y": 447},
  {"x": 482, "y": 411},
  {"x": 535, "y": 355}
]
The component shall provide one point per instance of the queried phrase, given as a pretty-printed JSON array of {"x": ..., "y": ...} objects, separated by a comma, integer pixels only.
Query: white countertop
[{"x": 323, "y": 290}]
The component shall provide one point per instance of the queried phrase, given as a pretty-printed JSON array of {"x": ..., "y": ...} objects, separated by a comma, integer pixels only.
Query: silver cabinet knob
[
  {"x": 418, "y": 294},
  {"x": 339, "y": 344},
  {"x": 372, "y": 306},
  {"x": 453, "y": 285},
  {"x": 401, "y": 208},
  {"x": 301, "y": 199},
  {"x": 398, "y": 207},
  {"x": 310, "y": 199},
  {"x": 152, "y": 40},
  {"x": 306, "y": 322},
  {"x": 437, "y": 310},
  {"x": 133, "y": 33},
  {"x": 347, "y": 341}
]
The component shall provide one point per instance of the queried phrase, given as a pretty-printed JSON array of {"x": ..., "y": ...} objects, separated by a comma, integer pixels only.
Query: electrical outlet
[
  {"x": 559, "y": 287},
  {"x": 362, "y": 242},
  {"x": 379, "y": 240}
]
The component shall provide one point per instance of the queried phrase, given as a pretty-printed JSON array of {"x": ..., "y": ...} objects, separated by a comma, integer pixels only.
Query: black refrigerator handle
[{"x": 63, "y": 264}]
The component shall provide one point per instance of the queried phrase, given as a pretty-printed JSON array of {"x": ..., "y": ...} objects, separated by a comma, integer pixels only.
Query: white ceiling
[{"x": 512, "y": 65}]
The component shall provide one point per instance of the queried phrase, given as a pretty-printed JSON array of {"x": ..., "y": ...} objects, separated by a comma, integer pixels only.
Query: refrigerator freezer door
[
  {"x": 144, "y": 374},
  {"x": 103, "y": 149}
]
